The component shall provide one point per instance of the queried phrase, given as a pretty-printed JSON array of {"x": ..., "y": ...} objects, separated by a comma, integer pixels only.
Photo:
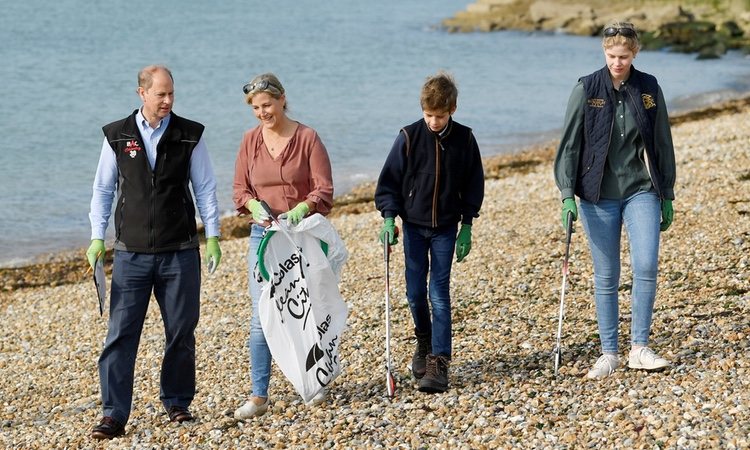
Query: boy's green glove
[
  {"x": 296, "y": 214},
  {"x": 463, "y": 242},
  {"x": 569, "y": 204},
  {"x": 259, "y": 214},
  {"x": 213, "y": 253},
  {"x": 667, "y": 214},
  {"x": 389, "y": 226},
  {"x": 95, "y": 252}
]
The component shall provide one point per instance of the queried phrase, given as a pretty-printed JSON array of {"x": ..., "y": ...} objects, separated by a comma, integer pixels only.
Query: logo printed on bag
[
  {"x": 315, "y": 355},
  {"x": 324, "y": 374},
  {"x": 295, "y": 297}
]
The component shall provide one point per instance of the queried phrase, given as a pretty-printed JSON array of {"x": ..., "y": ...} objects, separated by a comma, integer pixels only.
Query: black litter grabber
[
  {"x": 558, "y": 347},
  {"x": 390, "y": 382}
]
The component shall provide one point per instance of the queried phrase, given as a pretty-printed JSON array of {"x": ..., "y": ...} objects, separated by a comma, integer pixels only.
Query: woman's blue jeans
[
  {"x": 641, "y": 215},
  {"x": 426, "y": 247},
  {"x": 260, "y": 354}
]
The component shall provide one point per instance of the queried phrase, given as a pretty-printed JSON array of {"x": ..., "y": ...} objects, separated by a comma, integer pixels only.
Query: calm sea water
[{"x": 352, "y": 70}]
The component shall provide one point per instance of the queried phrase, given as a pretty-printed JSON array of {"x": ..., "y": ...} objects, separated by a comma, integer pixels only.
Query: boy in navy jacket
[{"x": 433, "y": 179}]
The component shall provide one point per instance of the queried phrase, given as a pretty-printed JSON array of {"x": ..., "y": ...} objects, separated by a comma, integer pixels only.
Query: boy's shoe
[
  {"x": 251, "y": 409},
  {"x": 604, "y": 366},
  {"x": 646, "y": 359},
  {"x": 108, "y": 428},
  {"x": 424, "y": 348},
  {"x": 435, "y": 378}
]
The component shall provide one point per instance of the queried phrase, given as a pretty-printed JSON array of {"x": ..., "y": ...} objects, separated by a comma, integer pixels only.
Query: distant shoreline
[{"x": 70, "y": 266}]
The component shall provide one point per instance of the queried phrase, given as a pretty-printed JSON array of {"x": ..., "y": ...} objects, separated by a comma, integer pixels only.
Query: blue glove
[
  {"x": 667, "y": 214},
  {"x": 213, "y": 253},
  {"x": 569, "y": 204},
  {"x": 95, "y": 252},
  {"x": 463, "y": 242}
]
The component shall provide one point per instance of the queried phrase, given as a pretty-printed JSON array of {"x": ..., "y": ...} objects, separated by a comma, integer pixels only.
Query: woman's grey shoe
[
  {"x": 250, "y": 410},
  {"x": 604, "y": 366},
  {"x": 646, "y": 359}
]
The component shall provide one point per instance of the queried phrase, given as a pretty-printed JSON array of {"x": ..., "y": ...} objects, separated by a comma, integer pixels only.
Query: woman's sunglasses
[
  {"x": 623, "y": 31},
  {"x": 261, "y": 85}
]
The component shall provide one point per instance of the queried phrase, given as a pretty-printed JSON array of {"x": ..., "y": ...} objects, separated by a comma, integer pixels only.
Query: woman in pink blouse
[{"x": 284, "y": 163}]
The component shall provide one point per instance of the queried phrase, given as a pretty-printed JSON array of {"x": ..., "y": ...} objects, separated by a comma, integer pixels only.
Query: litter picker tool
[
  {"x": 390, "y": 382},
  {"x": 558, "y": 347}
]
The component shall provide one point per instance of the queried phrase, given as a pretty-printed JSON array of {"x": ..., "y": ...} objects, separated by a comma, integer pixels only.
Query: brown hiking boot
[
  {"x": 424, "y": 348},
  {"x": 436, "y": 376}
]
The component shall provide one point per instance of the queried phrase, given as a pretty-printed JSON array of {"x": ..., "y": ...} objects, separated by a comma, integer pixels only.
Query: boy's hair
[{"x": 439, "y": 93}]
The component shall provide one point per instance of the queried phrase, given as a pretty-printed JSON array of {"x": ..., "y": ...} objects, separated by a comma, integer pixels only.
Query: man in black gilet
[{"x": 150, "y": 159}]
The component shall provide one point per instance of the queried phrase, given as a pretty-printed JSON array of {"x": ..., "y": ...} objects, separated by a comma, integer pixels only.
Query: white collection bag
[{"x": 301, "y": 310}]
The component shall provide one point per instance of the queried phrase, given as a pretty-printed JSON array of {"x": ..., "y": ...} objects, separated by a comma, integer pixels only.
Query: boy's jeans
[
  {"x": 427, "y": 248},
  {"x": 641, "y": 214}
]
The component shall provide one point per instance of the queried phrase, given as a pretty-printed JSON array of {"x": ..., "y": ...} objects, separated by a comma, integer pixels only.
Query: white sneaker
[
  {"x": 646, "y": 359},
  {"x": 250, "y": 409},
  {"x": 319, "y": 398},
  {"x": 604, "y": 366}
]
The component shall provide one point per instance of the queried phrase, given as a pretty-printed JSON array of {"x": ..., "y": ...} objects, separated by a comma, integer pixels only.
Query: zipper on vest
[
  {"x": 437, "y": 182},
  {"x": 152, "y": 212},
  {"x": 645, "y": 151}
]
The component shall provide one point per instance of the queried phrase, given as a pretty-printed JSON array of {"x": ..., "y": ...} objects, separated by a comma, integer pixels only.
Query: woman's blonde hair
[
  {"x": 621, "y": 33},
  {"x": 266, "y": 82}
]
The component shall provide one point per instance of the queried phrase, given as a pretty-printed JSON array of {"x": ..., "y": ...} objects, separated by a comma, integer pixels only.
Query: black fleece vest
[
  {"x": 640, "y": 92},
  {"x": 155, "y": 210},
  {"x": 435, "y": 170}
]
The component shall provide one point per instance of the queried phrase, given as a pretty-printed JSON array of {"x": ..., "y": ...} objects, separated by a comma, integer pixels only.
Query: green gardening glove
[
  {"x": 389, "y": 226},
  {"x": 259, "y": 214},
  {"x": 95, "y": 252},
  {"x": 296, "y": 214},
  {"x": 569, "y": 204},
  {"x": 667, "y": 214},
  {"x": 463, "y": 242},
  {"x": 213, "y": 253}
]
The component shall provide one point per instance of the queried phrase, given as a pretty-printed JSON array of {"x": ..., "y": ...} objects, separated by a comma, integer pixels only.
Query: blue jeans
[
  {"x": 175, "y": 278},
  {"x": 260, "y": 354},
  {"x": 641, "y": 214},
  {"x": 426, "y": 247}
]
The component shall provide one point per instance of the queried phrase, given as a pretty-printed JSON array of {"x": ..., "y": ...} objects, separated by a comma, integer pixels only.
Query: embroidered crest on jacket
[
  {"x": 648, "y": 101},
  {"x": 132, "y": 148}
]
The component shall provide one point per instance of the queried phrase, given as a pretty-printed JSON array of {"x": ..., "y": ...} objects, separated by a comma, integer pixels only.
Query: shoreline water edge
[{"x": 70, "y": 266}]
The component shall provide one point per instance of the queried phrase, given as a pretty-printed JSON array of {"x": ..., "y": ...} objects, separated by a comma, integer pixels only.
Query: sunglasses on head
[
  {"x": 623, "y": 31},
  {"x": 261, "y": 85}
]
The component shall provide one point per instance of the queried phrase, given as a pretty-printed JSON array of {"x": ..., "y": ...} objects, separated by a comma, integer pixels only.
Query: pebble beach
[{"x": 505, "y": 296}]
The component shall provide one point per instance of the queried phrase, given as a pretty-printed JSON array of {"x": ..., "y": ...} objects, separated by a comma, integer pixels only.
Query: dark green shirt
[{"x": 625, "y": 172}]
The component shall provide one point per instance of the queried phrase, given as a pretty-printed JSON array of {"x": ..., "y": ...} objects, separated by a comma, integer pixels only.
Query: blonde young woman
[
  {"x": 284, "y": 163},
  {"x": 616, "y": 155}
]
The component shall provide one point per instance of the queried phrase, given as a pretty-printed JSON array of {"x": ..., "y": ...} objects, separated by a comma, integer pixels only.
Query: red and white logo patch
[{"x": 132, "y": 148}]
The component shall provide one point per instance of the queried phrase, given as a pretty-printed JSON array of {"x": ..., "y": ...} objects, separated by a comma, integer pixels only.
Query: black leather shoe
[
  {"x": 108, "y": 428},
  {"x": 179, "y": 414}
]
